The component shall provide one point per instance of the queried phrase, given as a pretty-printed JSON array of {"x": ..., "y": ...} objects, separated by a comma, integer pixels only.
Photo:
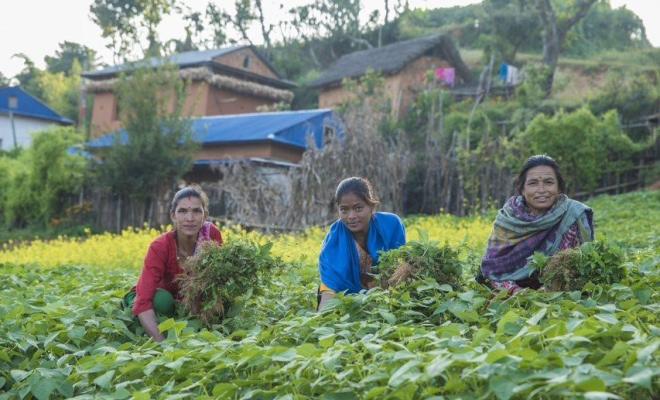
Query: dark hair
[
  {"x": 535, "y": 161},
  {"x": 190, "y": 191},
  {"x": 360, "y": 187}
]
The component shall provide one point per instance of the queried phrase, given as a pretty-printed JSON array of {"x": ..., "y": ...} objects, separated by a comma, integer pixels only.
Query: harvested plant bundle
[
  {"x": 571, "y": 269},
  {"x": 217, "y": 275},
  {"x": 418, "y": 260}
]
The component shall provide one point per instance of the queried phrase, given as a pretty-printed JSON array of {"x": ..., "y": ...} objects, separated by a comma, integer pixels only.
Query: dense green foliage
[
  {"x": 516, "y": 24},
  {"x": 37, "y": 183},
  {"x": 586, "y": 147},
  {"x": 595, "y": 262},
  {"x": 631, "y": 97},
  {"x": 218, "y": 276},
  {"x": 475, "y": 150},
  {"x": 68, "y": 54},
  {"x": 63, "y": 334},
  {"x": 58, "y": 88},
  {"x": 420, "y": 260}
]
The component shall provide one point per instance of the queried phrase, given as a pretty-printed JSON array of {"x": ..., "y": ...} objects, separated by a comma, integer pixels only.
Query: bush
[
  {"x": 42, "y": 178},
  {"x": 581, "y": 143},
  {"x": 632, "y": 96}
]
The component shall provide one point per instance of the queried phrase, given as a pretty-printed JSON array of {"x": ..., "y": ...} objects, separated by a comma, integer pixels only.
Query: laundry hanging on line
[
  {"x": 510, "y": 74},
  {"x": 446, "y": 75}
]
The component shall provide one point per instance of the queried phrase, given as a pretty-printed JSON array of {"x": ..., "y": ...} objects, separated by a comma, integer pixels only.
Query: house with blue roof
[
  {"x": 227, "y": 88},
  {"x": 225, "y": 81},
  {"x": 21, "y": 115},
  {"x": 272, "y": 139}
]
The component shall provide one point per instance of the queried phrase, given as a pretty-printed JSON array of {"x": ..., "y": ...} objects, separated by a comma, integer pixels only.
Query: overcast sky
[{"x": 36, "y": 27}]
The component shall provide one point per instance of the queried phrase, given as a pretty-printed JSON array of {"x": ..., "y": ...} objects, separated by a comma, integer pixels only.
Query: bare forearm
[{"x": 150, "y": 324}]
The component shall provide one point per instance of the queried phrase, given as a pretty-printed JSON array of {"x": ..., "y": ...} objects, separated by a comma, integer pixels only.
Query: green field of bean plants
[{"x": 63, "y": 333}]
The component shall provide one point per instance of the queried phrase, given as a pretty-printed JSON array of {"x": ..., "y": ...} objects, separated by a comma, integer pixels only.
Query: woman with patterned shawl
[
  {"x": 353, "y": 242},
  {"x": 539, "y": 218}
]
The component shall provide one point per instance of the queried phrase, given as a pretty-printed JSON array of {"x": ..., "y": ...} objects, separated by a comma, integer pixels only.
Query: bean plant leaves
[
  {"x": 64, "y": 334},
  {"x": 104, "y": 380},
  {"x": 502, "y": 386}
]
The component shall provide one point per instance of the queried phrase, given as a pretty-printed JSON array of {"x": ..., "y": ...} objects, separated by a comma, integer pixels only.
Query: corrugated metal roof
[
  {"x": 29, "y": 106},
  {"x": 253, "y": 160},
  {"x": 185, "y": 59},
  {"x": 286, "y": 127}
]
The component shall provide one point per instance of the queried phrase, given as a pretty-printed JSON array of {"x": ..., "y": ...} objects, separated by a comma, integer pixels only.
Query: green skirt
[{"x": 163, "y": 302}]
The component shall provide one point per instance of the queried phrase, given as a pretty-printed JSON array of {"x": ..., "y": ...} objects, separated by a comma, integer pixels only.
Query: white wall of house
[{"x": 25, "y": 127}]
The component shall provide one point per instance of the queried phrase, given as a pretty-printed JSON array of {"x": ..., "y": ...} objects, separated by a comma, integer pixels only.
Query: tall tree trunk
[
  {"x": 551, "y": 45},
  {"x": 386, "y": 20},
  {"x": 313, "y": 56},
  {"x": 554, "y": 35},
  {"x": 265, "y": 32}
]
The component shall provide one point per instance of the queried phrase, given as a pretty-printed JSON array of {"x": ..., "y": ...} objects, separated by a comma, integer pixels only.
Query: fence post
[{"x": 119, "y": 214}]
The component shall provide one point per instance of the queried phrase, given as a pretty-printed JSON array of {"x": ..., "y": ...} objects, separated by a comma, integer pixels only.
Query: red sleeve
[
  {"x": 215, "y": 234},
  {"x": 152, "y": 275}
]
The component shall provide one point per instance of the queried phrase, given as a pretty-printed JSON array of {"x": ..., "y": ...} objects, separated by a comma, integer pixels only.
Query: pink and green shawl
[{"x": 517, "y": 234}]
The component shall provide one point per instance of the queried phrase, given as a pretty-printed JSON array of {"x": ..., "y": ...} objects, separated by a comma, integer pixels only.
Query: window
[
  {"x": 247, "y": 61},
  {"x": 328, "y": 133},
  {"x": 13, "y": 102}
]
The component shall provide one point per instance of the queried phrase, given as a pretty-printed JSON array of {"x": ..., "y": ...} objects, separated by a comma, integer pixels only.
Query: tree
[
  {"x": 242, "y": 18},
  {"x": 217, "y": 21},
  {"x": 606, "y": 29},
  {"x": 512, "y": 24},
  {"x": 246, "y": 12},
  {"x": 124, "y": 22},
  {"x": 155, "y": 147},
  {"x": 43, "y": 178},
  {"x": 399, "y": 8},
  {"x": 4, "y": 81},
  {"x": 28, "y": 77},
  {"x": 586, "y": 147},
  {"x": 555, "y": 29},
  {"x": 334, "y": 24},
  {"x": 67, "y": 54},
  {"x": 464, "y": 23},
  {"x": 194, "y": 27},
  {"x": 266, "y": 28},
  {"x": 633, "y": 96},
  {"x": 61, "y": 90}
]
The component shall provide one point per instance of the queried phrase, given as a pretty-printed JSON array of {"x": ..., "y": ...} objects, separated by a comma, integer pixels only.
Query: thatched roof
[
  {"x": 393, "y": 58},
  {"x": 216, "y": 80}
]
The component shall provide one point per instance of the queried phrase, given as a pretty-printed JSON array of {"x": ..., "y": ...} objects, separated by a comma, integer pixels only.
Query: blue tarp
[
  {"x": 28, "y": 106},
  {"x": 285, "y": 127}
]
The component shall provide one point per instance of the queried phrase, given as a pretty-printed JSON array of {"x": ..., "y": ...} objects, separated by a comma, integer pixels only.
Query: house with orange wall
[
  {"x": 405, "y": 66},
  {"x": 230, "y": 80}
]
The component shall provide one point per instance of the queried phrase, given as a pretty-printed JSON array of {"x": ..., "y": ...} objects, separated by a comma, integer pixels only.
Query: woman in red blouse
[{"x": 156, "y": 289}]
